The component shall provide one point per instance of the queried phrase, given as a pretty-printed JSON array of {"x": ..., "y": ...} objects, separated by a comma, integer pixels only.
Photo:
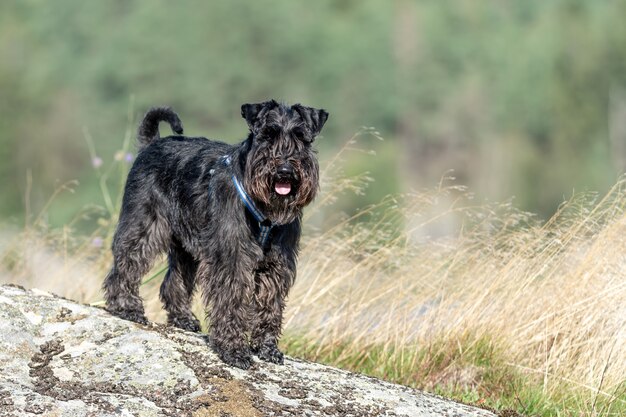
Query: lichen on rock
[{"x": 61, "y": 358}]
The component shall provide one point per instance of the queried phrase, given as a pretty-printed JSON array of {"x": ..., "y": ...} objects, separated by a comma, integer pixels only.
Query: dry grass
[
  {"x": 551, "y": 297},
  {"x": 526, "y": 314}
]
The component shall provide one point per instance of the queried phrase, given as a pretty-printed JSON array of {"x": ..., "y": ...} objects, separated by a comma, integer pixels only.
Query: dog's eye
[
  {"x": 271, "y": 131},
  {"x": 299, "y": 134}
]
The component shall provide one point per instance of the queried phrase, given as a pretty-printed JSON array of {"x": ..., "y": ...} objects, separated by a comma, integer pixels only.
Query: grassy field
[{"x": 501, "y": 310}]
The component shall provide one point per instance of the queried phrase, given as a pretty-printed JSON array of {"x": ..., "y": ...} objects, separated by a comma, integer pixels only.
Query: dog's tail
[{"x": 149, "y": 127}]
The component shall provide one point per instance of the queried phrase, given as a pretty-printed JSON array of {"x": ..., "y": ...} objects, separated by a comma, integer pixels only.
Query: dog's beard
[{"x": 282, "y": 199}]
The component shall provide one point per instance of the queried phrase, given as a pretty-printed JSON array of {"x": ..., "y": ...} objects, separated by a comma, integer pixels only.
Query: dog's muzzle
[{"x": 285, "y": 180}]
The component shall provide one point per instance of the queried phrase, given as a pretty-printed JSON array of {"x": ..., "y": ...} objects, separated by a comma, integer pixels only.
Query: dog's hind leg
[
  {"x": 139, "y": 238},
  {"x": 177, "y": 288}
]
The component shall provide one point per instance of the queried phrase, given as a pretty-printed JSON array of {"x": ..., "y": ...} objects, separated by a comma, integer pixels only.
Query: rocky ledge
[{"x": 60, "y": 358}]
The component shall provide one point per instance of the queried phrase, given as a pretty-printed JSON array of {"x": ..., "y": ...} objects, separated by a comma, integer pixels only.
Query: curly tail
[{"x": 149, "y": 128}]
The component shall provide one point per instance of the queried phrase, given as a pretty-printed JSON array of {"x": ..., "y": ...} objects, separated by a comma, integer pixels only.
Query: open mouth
[
  {"x": 282, "y": 187},
  {"x": 285, "y": 185}
]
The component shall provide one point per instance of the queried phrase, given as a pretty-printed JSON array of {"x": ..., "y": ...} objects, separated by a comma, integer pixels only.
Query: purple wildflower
[
  {"x": 97, "y": 242},
  {"x": 128, "y": 157},
  {"x": 96, "y": 161}
]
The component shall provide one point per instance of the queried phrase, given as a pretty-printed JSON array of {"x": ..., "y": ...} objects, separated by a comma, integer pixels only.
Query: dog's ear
[
  {"x": 251, "y": 111},
  {"x": 314, "y": 118}
]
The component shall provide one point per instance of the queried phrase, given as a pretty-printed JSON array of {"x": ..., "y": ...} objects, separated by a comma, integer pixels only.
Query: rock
[{"x": 60, "y": 358}]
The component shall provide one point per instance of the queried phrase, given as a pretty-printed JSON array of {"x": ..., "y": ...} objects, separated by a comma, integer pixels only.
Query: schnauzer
[{"x": 229, "y": 218}]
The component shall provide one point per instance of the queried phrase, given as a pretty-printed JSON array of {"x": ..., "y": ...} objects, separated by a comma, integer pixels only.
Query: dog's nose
[{"x": 285, "y": 169}]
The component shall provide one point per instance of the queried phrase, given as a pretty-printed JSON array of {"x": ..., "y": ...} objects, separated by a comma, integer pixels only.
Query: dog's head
[{"x": 282, "y": 172}]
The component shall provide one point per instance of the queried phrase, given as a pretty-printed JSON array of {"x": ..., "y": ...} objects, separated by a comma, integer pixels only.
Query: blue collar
[{"x": 265, "y": 225}]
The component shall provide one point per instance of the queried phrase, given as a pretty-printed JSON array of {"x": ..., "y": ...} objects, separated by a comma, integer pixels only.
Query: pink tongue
[{"x": 282, "y": 188}]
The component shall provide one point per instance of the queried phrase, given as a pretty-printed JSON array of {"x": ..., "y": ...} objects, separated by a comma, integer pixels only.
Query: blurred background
[{"x": 520, "y": 99}]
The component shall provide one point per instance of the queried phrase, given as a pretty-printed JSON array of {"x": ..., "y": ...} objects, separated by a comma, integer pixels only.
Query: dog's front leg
[
  {"x": 272, "y": 283},
  {"x": 228, "y": 285}
]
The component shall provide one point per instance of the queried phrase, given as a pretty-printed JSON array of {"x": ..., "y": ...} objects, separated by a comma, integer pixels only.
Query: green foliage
[{"x": 514, "y": 96}]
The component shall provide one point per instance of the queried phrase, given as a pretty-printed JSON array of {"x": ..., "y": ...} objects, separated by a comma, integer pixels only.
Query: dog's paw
[
  {"x": 189, "y": 323},
  {"x": 270, "y": 353},
  {"x": 132, "y": 315},
  {"x": 236, "y": 358}
]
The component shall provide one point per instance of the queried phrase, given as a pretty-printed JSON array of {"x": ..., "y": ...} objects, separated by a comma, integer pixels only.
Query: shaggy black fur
[{"x": 180, "y": 198}]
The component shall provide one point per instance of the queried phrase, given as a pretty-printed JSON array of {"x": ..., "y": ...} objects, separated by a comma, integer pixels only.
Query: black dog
[{"x": 228, "y": 217}]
